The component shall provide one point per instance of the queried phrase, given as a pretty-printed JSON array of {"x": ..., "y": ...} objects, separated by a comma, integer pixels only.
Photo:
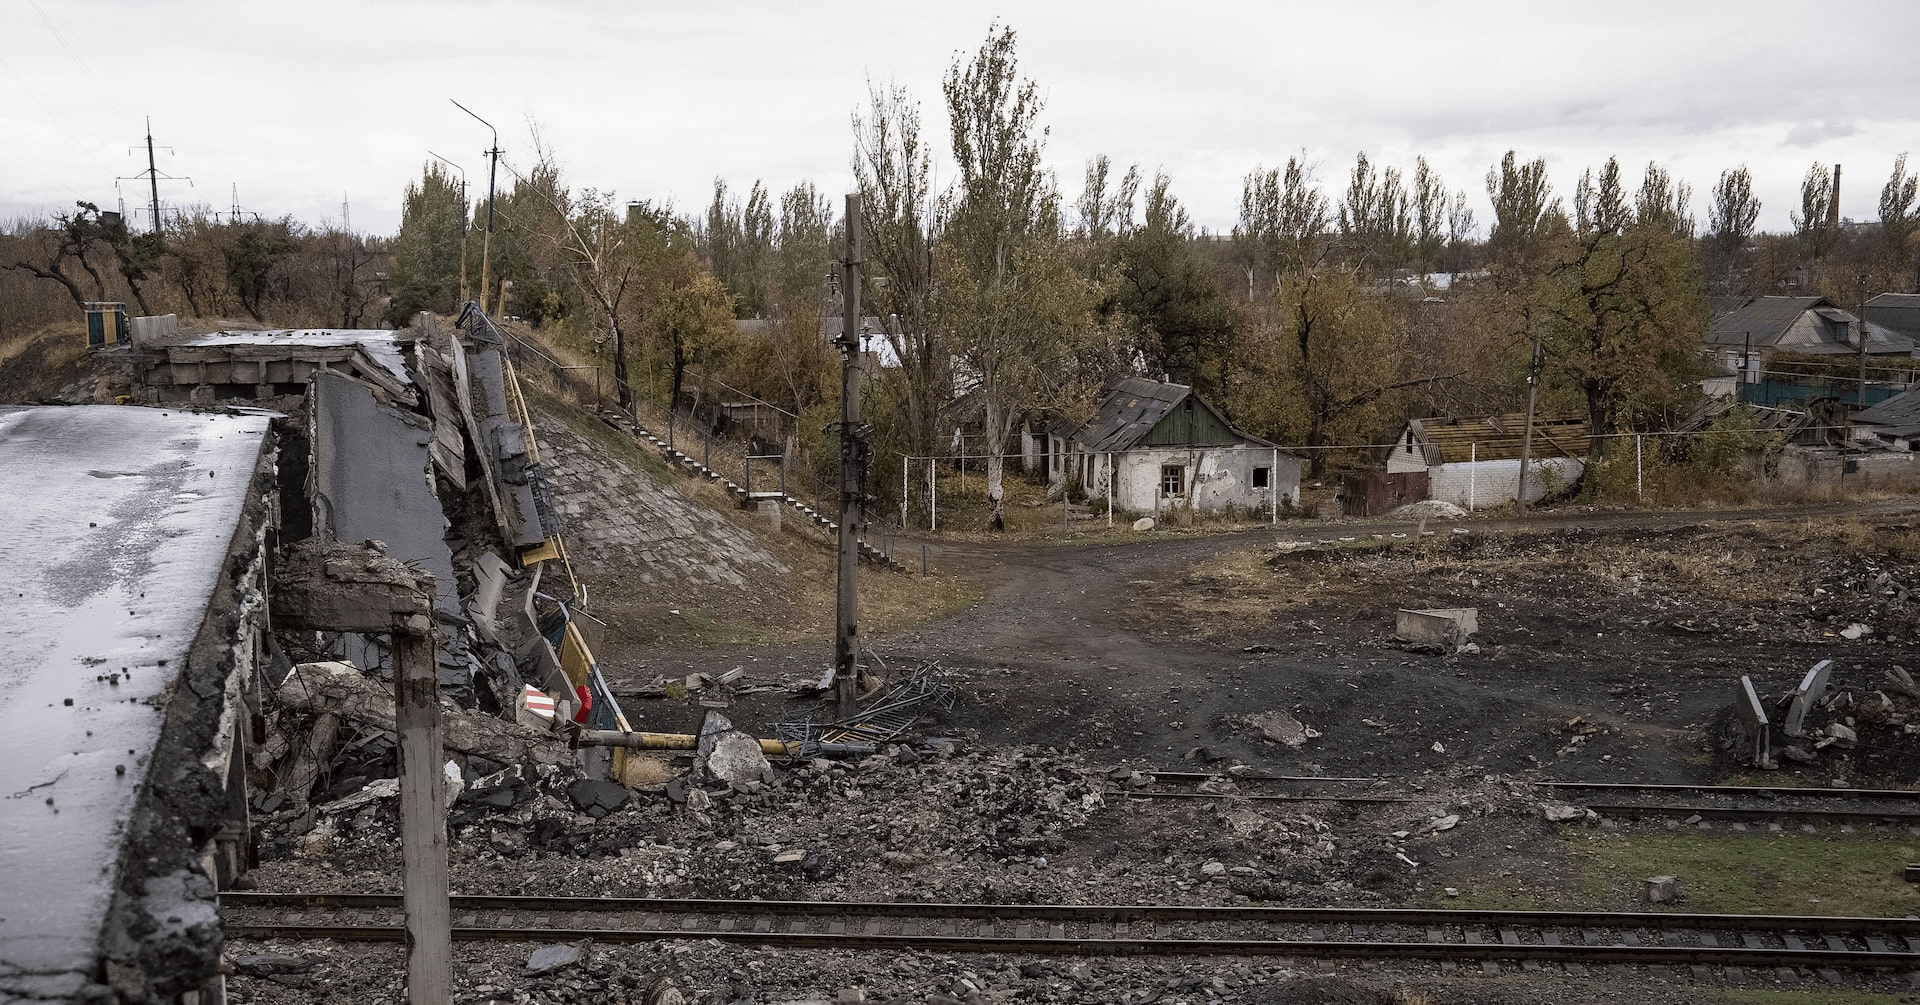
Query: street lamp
[
  {"x": 486, "y": 243},
  {"x": 463, "y": 220}
]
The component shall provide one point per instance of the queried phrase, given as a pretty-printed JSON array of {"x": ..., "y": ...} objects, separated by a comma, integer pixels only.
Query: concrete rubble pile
[{"x": 1837, "y": 720}]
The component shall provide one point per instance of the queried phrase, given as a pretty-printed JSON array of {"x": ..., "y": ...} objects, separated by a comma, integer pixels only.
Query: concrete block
[
  {"x": 1662, "y": 889},
  {"x": 1436, "y": 626}
]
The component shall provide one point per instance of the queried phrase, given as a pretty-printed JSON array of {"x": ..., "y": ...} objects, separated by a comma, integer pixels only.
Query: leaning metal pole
[{"x": 853, "y": 459}]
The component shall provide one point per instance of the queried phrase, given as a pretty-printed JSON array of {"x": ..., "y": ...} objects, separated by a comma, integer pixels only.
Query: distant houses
[{"x": 1746, "y": 338}]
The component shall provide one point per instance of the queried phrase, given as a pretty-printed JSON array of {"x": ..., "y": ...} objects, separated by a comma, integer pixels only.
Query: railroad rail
[
  {"x": 1781, "y": 802},
  {"x": 1574, "y": 939}
]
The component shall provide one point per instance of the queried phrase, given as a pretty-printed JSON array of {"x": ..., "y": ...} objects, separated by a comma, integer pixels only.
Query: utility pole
[
  {"x": 1863, "y": 340},
  {"x": 486, "y": 242},
  {"x": 153, "y": 177},
  {"x": 853, "y": 471},
  {"x": 1526, "y": 436},
  {"x": 463, "y": 220},
  {"x": 152, "y": 174}
]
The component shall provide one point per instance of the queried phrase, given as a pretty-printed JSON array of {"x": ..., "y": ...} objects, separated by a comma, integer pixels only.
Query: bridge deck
[{"x": 117, "y": 524}]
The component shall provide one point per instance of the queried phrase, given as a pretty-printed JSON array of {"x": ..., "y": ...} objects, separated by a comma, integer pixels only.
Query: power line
[{"x": 85, "y": 71}]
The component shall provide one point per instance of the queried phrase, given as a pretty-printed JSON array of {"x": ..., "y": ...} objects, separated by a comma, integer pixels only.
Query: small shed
[
  {"x": 1475, "y": 463},
  {"x": 1155, "y": 445}
]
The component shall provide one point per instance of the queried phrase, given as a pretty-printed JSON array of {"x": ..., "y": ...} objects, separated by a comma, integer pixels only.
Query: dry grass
[{"x": 1726, "y": 563}]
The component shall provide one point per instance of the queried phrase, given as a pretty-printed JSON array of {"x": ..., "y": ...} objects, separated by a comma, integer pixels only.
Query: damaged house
[
  {"x": 1155, "y": 445},
  {"x": 1475, "y": 463}
]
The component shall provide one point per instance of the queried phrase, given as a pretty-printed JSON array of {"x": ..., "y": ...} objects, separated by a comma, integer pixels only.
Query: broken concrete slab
[
  {"x": 340, "y": 688},
  {"x": 372, "y": 479},
  {"x": 1812, "y": 687},
  {"x": 733, "y": 757},
  {"x": 1439, "y": 626},
  {"x": 726, "y": 754},
  {"x": 591, "y": 795},
  {"x": 490, "y": 575},
  {"x": 547, "y": 959},
  {"x": 1282, "y": 728},
  {"x": 1562, "y": 813},
  {"x": 333, "y": 586}
]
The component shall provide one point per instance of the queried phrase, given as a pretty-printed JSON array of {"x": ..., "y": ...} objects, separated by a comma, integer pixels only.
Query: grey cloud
[{"x": 1806, "y": 134}]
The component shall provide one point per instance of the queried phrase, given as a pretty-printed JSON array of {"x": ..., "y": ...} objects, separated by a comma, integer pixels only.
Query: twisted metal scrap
[{"x": 881, "y": 718}]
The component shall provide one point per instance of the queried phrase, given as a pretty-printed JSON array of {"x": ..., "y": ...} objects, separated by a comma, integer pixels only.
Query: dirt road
[{"x": 1638, "y": 625}]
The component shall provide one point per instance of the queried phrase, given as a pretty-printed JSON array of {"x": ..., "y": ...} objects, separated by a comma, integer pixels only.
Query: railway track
[
  {"x": 1756, "y": 803},
  {"x": 1708, "y": 945}
]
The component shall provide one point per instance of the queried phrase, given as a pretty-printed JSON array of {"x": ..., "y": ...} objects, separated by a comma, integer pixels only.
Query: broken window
[
  {"x": 1260, "y": 478},
  {"x": 1173, "y": 480}
]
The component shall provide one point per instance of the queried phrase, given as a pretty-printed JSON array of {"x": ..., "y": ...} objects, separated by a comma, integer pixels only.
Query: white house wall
[
  {"x": 1217, "y": 477},
  {"x": 1482, "y": 484}
]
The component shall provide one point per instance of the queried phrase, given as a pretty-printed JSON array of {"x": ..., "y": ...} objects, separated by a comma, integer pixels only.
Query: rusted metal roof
[{"x": 1448, "y": 440}]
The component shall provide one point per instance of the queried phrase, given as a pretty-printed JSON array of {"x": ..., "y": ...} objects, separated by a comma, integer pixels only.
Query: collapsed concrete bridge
[{"x": 140, "y": 649}]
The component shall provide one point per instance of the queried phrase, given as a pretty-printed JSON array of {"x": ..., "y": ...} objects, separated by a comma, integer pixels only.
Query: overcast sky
[{"x": 302, "y": 107}]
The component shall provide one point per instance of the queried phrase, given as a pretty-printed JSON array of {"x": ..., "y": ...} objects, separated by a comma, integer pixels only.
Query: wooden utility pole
[
  {"x": 1526, "y": 436},
  {"x": 853, "y": 463}
]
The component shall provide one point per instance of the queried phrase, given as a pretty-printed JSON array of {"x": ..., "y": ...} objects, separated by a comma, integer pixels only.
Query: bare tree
[
  {"x": 1897, "y": 219},
  {"x": 891, "y": 169},
  {"x": 1430, "y": 214},
  {"x": 1735, "y": 210},
  {"x": 1519, "y": 195},
  {"x": 1810, "y": 222}
]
